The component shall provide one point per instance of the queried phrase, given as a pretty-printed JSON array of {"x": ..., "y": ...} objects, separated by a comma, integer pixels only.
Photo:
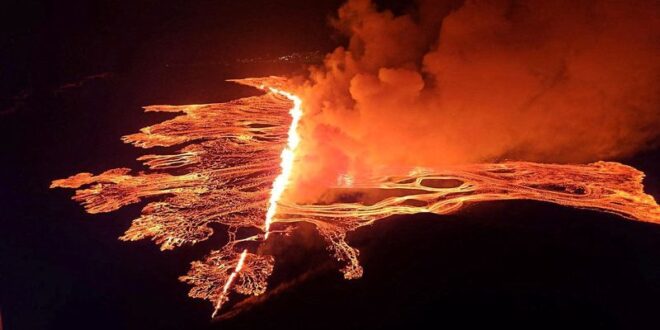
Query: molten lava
[
  {"x": 287, "y": 156},
  {"x": 238, "y": 163},
  {"x": 230, "y": 280}
]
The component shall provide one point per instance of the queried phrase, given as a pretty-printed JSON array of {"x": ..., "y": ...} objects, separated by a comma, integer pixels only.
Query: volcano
[
  {"x": 229, "y": 169},
  {"x": 345, "y": 164}
]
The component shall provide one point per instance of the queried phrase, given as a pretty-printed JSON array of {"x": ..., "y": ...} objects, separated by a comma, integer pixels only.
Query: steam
[{"x": 481, "y": 81}]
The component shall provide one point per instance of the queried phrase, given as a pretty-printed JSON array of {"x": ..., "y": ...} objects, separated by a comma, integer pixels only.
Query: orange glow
[
  {"x": 238, "y": 162},
  {"x": 603, "y": 186}
]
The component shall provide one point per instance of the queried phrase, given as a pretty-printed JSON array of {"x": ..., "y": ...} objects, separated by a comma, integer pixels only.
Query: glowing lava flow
[
  {"x": 230, "y": 281},
  {"x": 237, "y": 162},
  {"x": 279, "y": 185},
  {"x": 288, "y": 155}
]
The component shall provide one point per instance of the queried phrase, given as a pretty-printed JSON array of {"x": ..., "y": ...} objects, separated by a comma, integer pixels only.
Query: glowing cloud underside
[{"x": 238, "y": 161}]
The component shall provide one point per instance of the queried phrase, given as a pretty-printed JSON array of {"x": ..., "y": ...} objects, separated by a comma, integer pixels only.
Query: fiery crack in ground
[{"x": 238, "y": 162}]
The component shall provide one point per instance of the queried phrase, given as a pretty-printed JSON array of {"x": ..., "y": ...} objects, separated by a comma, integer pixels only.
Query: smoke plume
[{"x": 480, "y": 81}]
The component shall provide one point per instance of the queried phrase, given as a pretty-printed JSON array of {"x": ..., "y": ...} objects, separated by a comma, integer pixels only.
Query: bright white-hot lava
[
  {"x": 288, "y": 155},
  {"x": 225, "y": 289}
]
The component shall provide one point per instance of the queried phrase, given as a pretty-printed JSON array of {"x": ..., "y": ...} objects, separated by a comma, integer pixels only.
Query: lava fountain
[
  {"x": 288, "y": 155},
  {"x": 238, "y": 161}
]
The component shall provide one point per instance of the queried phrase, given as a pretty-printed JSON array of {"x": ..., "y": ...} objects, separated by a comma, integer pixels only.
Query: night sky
[{"x": 73, "y": 76}]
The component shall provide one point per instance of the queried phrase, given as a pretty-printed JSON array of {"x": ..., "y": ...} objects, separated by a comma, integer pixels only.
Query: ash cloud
[{"x": 481, "y": 81}]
